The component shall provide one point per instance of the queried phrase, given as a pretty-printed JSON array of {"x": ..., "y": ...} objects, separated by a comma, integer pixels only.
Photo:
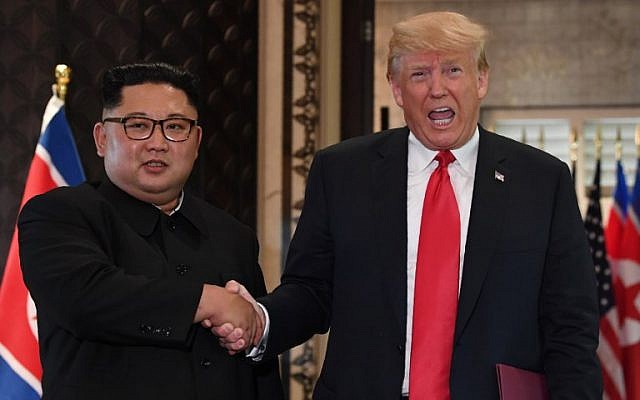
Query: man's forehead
[
  {"x": 431, "y": 57},
  {"x": 153, "y": 95}
]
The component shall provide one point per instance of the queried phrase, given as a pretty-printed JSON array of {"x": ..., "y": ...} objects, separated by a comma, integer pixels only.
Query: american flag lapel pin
[{"x": 499, "y": 176}]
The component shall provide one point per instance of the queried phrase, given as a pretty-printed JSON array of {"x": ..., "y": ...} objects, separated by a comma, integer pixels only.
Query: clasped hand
[{"x": 232, "y": 315}]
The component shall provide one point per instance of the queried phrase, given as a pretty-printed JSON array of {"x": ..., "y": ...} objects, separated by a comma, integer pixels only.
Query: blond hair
[{"x": 437, "y": 31}]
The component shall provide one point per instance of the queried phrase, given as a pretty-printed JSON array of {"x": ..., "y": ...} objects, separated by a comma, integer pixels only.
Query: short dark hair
[{"x": 116, "y": 78}]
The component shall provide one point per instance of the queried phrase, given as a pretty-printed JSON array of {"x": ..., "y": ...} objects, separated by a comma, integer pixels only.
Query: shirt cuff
[{"x": 255, "y": 353}]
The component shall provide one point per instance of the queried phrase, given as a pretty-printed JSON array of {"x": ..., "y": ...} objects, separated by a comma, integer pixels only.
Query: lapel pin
[{"x": 499, "y": 176}]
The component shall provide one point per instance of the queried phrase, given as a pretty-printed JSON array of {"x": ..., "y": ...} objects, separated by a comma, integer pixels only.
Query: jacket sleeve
[
  {"x": 569, "y": 309},
  {"x": 300, "y": 306}
]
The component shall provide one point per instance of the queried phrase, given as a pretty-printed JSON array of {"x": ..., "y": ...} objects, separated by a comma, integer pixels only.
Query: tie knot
[{"x": 444, "y": 157}]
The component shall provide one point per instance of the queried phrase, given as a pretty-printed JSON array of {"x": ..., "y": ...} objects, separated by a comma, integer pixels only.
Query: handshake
[{"x": 232, "y": 315}]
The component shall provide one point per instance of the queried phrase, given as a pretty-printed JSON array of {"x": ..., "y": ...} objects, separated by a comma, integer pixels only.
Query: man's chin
[{"x": 439, "y": 140}]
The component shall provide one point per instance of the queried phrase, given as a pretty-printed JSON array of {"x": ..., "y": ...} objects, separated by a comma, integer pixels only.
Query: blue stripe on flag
[
  {"x": 13, "y": 387},
  {"x": 621, "y": 195},
  {"x": 634, "y": 201},
  {"x": 58, "y": 140}
]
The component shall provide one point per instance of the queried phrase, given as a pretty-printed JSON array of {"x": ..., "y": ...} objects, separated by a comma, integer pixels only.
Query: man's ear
[
  {"x": 483, "y": 83},
  {"x": 198, "y": 138},
  {"x": 100, "y": 138}
]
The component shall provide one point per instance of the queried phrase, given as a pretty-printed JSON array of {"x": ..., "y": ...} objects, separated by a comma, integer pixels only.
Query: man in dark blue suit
[{"x": 524, "y": 280}]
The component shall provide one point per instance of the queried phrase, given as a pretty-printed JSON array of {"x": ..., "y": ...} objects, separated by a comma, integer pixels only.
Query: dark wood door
[{"x": 358, "y": 22}]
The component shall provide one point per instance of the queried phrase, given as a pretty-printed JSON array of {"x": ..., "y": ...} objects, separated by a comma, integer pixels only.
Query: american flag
[
  {"x": 609, "y": 350},
  {"x": 55, "y": 163}
]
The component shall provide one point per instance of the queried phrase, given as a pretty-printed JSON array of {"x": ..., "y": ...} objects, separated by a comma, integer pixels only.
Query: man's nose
[
  {"x": 157, "y": 138},
  {"x": 437, "y": 85}
]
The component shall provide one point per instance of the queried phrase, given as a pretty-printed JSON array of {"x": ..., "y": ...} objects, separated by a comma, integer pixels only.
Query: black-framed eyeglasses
[{"x": 175, "y": 129}]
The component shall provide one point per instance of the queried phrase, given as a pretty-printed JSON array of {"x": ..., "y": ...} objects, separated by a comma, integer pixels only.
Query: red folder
[{"x": 520, "y": 384}]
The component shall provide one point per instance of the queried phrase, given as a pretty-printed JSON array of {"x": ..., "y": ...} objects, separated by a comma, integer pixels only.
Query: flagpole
[
  {"x": 63, "y": 77},
  {"x": 573, "y": 152},
  {"x": 619, "y": 144},
  {"x": 598, "y": 142},
  {"x": 637, "y": 139}
]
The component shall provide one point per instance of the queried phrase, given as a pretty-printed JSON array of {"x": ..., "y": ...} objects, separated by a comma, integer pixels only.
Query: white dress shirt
[{"x": 421, "y": 163}]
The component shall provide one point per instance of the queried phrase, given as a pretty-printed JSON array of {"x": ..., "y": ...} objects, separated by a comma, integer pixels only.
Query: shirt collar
[
  {"x": 177, "y": 207},
  {"x": 419, "y": 156}
]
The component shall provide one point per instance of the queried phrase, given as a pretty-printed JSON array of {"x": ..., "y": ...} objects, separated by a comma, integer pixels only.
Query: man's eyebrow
[
  {"x": 144, "y": 114},
  {"x": 451, "y": 61}
]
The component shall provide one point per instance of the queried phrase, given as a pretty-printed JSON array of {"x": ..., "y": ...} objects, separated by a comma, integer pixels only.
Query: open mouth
[{"x": 442, "y": 116}]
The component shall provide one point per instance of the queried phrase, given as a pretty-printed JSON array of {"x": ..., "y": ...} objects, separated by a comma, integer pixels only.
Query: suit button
[
  {"x": 162, "y": 331},
  {"x": 400, "y": 347},
  {"x": 146, "y": 329},
  {"x": 205, "y": 363},
  {"x": 182, "y": 269},
  {"x": 171, "y": 225}
]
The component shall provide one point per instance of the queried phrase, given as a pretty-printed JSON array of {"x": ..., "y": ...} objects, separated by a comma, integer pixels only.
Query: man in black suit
[
  {"x": 526, "y": 292},
  {"x": 123, "y": 271}
]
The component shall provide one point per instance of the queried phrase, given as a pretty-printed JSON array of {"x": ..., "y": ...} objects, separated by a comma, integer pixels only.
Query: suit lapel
[
  {"x": 490, "y": 193},
  {"x": 389, "y": 189}
]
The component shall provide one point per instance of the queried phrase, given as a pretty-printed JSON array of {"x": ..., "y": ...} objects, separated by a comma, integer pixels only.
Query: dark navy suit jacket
[{"x": 528, "y": 294}]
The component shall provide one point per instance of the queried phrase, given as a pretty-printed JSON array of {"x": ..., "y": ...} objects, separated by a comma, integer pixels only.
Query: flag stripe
[
  {"x": 12, "y": 386},
  {"x": 57, "y": 139},
  {"x": 632, "y": 369},
  {"x": 39, "y": 180},
  {"x": 8, "y": 361},
  {"x": 617, "y": 215},
  {"x": 610, "y": 356},
  {"x": 43, "y": 156},
  {"x": 16, "y": 338},
  {"x": 609, "y": 328}
]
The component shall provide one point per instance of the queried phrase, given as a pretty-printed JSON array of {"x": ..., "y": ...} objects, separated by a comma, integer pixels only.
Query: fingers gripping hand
[
  {"x": 232, "y": 337},
  {"x": 229, "y": 337},
  {"x": 235, "y": 287},
  {"x": 229, "y": 316}
]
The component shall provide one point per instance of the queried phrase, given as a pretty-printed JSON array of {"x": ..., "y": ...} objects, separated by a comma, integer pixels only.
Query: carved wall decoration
[
  {"x": 301, "y": 111},
  {"x": 306, "y": 104}
]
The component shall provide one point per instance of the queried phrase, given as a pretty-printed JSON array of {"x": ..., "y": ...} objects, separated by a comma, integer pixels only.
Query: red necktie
[{"x": 435, "y": 299}]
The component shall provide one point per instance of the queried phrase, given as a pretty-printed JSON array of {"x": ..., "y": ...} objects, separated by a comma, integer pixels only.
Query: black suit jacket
[
  {"x": 116, "y": 284},
  {"x": 528, "y": 294}
]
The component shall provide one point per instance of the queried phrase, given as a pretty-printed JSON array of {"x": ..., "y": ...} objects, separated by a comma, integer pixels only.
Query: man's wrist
[{"x": 256, "y": 352}]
